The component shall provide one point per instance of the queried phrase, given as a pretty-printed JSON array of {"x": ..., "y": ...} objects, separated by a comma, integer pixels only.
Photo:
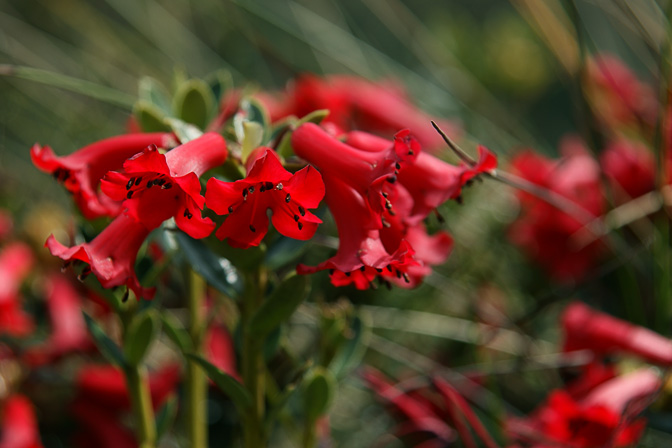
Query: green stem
[
  {"x": 197, "y": 384},
  {"x": 309, "y": 436},
  {"x": 141, "y": 401},
  {"x": 253, "y": 363}
]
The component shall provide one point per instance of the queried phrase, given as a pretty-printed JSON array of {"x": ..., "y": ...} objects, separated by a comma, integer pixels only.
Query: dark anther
[
  {"x": 130, "y": 183},
  {"x": 302, "y": 211},
  {"x": 392, "y": 212},
  {"x": 262, "y": 189},
  {"x": 300, "y": 225},
  {"x": 397, "y": 166},
  {"x": 385, "y": 195},
  {"x": 129, "y": 194},
  {"x": 149, "y": 184},
  {"x": 362, "y": 268},
  {"x": 392, "y": 179},
  {"x": 188, "y": 214},
  {"x": 288, "y": 198},
  {"x": 410, "y": 152},
  {"x": 389, "y": 267},
  {"x": 388, "y": 205},
  {"x": 160, "y": 182},
  {"x": 230, "y": 208},
  {"x": 245, "y": 194},
  {"x": 252, "y": 228},
  {"x": 406, "y": 279},
  {"x": 296, "y": 218},
  {"x": 268, "y": 185},
  {"x": 347, "y": 274},
  {"x": 379, "y": 270},
  {"x": 137, "y": 181},
  {"x": 331, "y": 271},
  {"x": 398, "y": 273},
  {"x": 251, "y": 189},
  {"x": 166, "y": 187},
  {"x": 396, "y": 172}
]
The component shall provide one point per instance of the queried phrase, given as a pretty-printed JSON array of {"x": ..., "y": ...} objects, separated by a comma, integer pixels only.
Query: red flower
[
  {"x": 81, "y": 171},
  {"x": 267, "y": 186},
  {"x": 68, "y": 330},
  {"x": 16, "y": 261},
  {"x": 155, "y": 187},
  {"x": 616, "y": 94},
  {"x": 102, "y": 399},
  {"x": 585, "y": 328},
  {"x": 630, "y": 168},
  {"x": 221, "y": 351},
  {"x": 381, "y": 107},
  {"x": 548, "y": 235},
  {"x": 605, "y": 417},
  {"x": 111, "y": 255},
  {"x": 19, "y": 425}
]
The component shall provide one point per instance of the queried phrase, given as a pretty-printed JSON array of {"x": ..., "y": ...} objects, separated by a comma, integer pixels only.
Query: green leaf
[
  {"x": 149, "y": 117},
  {"x": 280, "y": 305},
  {"x": 253, "y": 137},
  {"x": 194, "y": 103},
  {"x": 185, "y": 132},
  {"x": 166, "y": 417},
  {"x": 154, "y": 93},
  {"x": 217, "y": 271},
  {"x": 108, "y": 348},
  {"x": 219, "y": 82},
  {"x": 176, "y": 332},
  {"x": 352, "y": 351},
  {"x": 318, "y": 393},
  {"x": 283, "y": 252},
  {"x": 285, "y": 146},
  {"x": 140, "y": 334},
  {"x": 228, "y": 384},
  {"x": 252, "y": 126}
]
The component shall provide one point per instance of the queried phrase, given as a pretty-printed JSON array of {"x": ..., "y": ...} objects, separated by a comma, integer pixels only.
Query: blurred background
[{"x": 507, "y": 71}]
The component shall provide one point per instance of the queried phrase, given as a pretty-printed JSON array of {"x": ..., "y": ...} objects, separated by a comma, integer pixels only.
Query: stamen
[
  {"x": 288, "y": 198},
  {"x": 130, "y": 183},
  {"x": 397, "y": 166},
  {"x": 137, "y": 181},
  {"x": 252, "y": 228},
  {"x": 129, "y": 194},
  {"x": 406, "y": 279},
  {"x": 331, "y": 271},
  {"x": 188, "y": 214},
  {"x": 347, "y": 274},
  {"x": 362, "y": 268},
  {"x": 245, "y": 194},
  {"x": 379, "y": 270},
  {"x": 251, "y": 189},
  {"x": 296, "y": 218},
  {"x": 302, "y": 211},
  {"x": 388, "y": 205},
  {"x": 392, "y": 179},
  {"x": 385, "y": 195},
  {"x": 279, "y": 186},
  {"x": 389, "y": 267},
  {"x": 262, "y": 189},
  {"x": 85, "y": 273},
  {"x": 300, "y": 225},
  {"x": 230, "y": 208},
  {"x": 398, "y": 273},
  {"x": 161, "y": 182},
  {"x": 149, "y": 184},
  {"x": 167, "y": 186}
]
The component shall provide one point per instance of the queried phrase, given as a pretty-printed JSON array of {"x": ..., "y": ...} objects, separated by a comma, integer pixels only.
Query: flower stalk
[{"x": 197, "y": 384}]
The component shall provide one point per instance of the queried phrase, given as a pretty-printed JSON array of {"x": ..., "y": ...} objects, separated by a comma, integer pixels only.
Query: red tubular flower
[
  {"x": 19, "y": 425},
  {"x": 102, "y": 398},
  {"x": 68, "y": 329},
  {"x": 548, "y": 235},
  {"x": 155, "y": 187},
  {"x": 630, "y": 168},
  {"x": 267, "y": 186},
  {"x": 16, "y": 261},
  {"x": 585, "y": 328},
  {"x": 605, "y": 417},
  {"x": 111, "y": 255},
  {"x": 81, "y": 171},
  {"x": 616, "y": 94}
]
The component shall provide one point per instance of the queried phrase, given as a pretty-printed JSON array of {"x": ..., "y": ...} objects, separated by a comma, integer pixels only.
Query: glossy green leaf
[
  {"x": 285, "y": 146},
  {"x": 318, "y": 393},
  {"x": 176, "y": 332},
  {"x": 154, "y": 93},
  {"x": 108, "y": 348},
  {"x": 185, "y": 132},
  {"x": 149, "y": 117},
  {"x": 284, "y": 251},
  {"x": 140, "y": 334},
  {"x": 228, "y": 384},
  {"x": 194, "y": 103},
  {"x": 280, "y": 305},
  {"x": 220, "y": 82},
  {"x": 217, "y": 271}
]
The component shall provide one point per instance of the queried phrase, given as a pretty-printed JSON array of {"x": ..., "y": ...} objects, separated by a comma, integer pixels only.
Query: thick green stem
[
  {"x": 253, "y": 363},
  {"x": 141, "y": 400},
  {"x": 197, "y": 383}
]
